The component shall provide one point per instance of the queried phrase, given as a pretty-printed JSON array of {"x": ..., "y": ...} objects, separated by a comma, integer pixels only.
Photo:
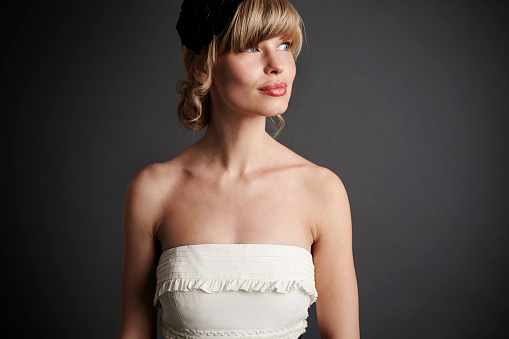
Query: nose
[{"x": 274, "y": 63}]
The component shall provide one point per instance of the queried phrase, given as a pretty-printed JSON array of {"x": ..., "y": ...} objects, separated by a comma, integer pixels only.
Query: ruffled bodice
[{"x": 224, "y": 290}]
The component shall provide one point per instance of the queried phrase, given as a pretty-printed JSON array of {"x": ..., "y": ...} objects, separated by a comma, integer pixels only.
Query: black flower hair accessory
[{"x": 200, "y": 20}]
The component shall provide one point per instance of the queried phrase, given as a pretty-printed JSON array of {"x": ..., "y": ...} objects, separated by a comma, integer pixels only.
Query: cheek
[
  {"x": 239, "y": 77},
  {"x": 232, "y": 85},
  {"x": 291, "y": 69}
]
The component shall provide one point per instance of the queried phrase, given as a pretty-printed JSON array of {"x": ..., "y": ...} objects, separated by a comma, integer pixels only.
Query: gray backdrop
[{"x": 405, "y": 100}]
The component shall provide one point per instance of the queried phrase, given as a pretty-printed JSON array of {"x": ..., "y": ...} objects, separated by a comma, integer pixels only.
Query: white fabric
[{"x": 211, "y": 290}]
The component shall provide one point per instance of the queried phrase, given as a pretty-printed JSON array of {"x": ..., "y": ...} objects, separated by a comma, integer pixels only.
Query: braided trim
[{"x": 290, "y": 332}]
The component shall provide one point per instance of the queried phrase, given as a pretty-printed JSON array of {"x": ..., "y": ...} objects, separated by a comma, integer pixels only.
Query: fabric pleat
[{"x": 234, "y": 268}]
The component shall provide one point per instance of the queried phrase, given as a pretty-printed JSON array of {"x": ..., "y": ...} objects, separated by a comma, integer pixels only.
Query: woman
[{"x": 244, "y": 233}]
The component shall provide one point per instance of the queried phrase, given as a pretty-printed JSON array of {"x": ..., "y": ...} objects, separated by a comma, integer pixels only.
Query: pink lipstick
[{"x": 275, "y": 89}]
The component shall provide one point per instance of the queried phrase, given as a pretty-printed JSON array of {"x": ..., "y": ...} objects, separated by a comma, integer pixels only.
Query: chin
[
  {"x": 265, "y": 109},
  {"x": 273, "y": 110}
]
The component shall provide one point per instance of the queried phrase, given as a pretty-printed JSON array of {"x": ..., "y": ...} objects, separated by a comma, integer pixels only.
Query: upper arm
[
  {"x": 138, "y": 317},
  {"x": 336, "y": 283}
]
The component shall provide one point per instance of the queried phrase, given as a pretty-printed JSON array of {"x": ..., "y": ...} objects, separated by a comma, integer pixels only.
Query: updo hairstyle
[{"x": 254, "y": 22}]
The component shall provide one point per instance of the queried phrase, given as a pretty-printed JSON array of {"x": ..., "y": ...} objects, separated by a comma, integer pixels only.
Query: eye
[
  {"x": 285, "y": 46},
  {"x": 251, "y": 50}
]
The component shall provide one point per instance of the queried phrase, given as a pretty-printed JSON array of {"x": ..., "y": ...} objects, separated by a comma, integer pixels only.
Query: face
[{"x": 257, "y": 81}]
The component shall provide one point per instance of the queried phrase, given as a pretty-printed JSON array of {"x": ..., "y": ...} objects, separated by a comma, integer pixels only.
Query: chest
[{"x": 261, "y": 211}]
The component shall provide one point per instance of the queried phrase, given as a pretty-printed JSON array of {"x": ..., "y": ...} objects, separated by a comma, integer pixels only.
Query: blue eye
[
  {"x": 285, "y": 46},
  {"x": 251, "y": 50}
]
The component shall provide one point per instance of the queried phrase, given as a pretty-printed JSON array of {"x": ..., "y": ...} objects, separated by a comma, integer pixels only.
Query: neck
[{"x": 237, "y": 144}]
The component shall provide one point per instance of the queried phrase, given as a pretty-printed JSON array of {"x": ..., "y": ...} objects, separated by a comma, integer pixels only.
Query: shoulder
[
  {"x": 328, "y": 183},
  {"x": 147, "y": 191},
  {"x": 333, "y": 215},
  {"x": 151, "y": 180},
  {"x": 326, "y": 195},
  {"x": 317, "y": 180}
]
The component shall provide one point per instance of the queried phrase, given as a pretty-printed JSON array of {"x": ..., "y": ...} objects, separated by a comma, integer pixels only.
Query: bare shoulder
[
  {"x": 151, "y": 180},
  {"x": 332, "y": 209},
  {"x": 146, "y": 193},
  {"x": 337, "y": 304},
  {"x": 320, "y": 181},
  {"x": 328, "y": 184},
  {"x": 326, "y": 196}
]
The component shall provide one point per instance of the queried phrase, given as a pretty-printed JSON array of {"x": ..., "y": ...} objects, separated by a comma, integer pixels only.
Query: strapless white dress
[{"x": 235, "y": 291}]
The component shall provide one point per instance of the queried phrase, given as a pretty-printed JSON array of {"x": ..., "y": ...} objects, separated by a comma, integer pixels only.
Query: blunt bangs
[{"x": 258, "y": 20}]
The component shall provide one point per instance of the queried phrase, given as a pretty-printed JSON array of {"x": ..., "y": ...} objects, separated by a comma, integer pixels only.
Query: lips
[
  {"x": 275, "y": 89},
  {"x": 273, "y": 85}
]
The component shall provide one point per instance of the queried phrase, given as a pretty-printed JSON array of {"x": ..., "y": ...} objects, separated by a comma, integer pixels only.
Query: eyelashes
[{"x": 285, "y": 46}]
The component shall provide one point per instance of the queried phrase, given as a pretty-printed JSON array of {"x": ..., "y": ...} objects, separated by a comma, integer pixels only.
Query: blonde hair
[{"x": 254, "y": 21}]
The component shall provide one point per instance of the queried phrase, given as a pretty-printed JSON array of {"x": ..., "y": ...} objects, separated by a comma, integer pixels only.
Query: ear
[{"x": 200, "y": 76}]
